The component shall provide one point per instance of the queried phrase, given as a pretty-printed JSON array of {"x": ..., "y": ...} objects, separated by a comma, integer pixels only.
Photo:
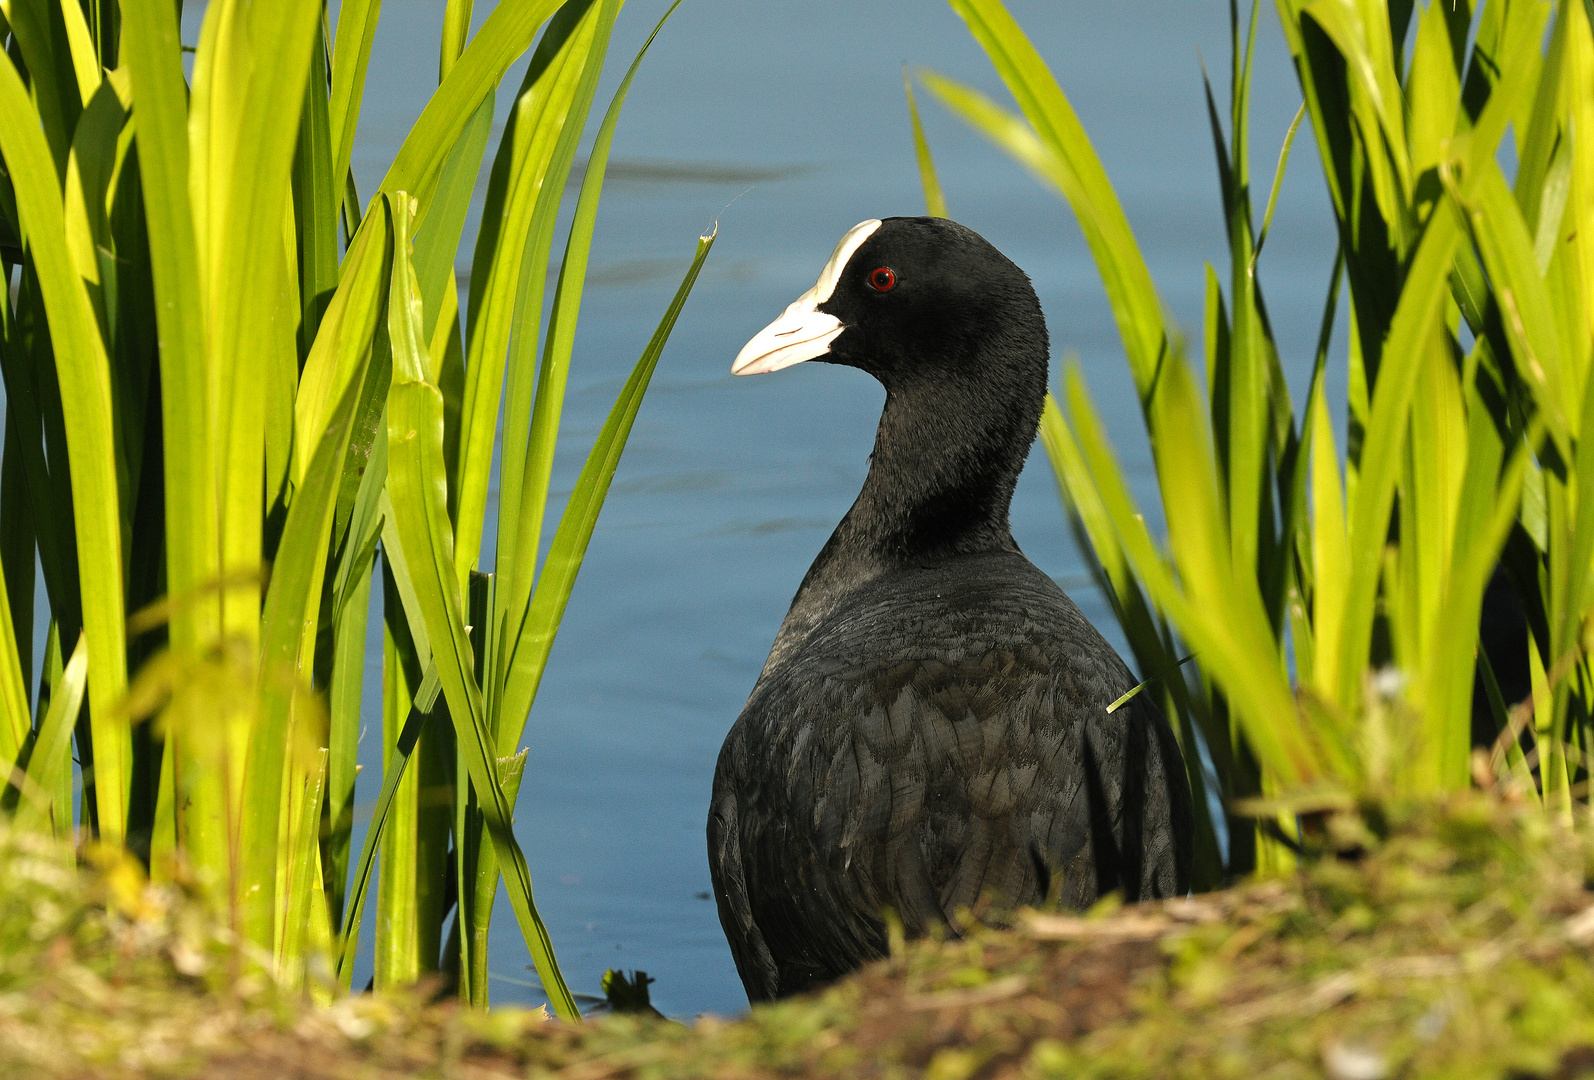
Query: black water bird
[{"x": 931, "y": 727}]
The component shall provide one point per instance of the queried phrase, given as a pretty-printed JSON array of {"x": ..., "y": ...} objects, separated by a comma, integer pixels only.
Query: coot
[{"x": 931, "y": 727}]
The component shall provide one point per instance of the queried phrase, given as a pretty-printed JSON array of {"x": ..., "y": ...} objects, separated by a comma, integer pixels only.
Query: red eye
[{"x": 882, "y": 279}]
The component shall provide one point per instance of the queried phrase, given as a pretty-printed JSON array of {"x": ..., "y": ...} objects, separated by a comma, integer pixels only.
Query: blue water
[{"x": 785, "y": 122}]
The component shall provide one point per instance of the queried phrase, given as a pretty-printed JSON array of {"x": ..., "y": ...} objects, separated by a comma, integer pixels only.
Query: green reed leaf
[
  {"x": 1506, "y": 247},
  {"x": 351, "y": 57},
  {"x": 934, "y": 201},
  {"x": 290, "y": 620},
  {"x": 50, "y": 765},
  {"x": 505, "y": 35},
  {"x": 416, "y": 470},
  {"x": 508, "y": 269},
  {"x": 418, "y": 483},
  {"x": 1223, "y": 617},
  {"x": 437, "y": 240},
  {"x": 516, "y": 573},
  {"x": 420, "y": 710},
  {"x": 1148, "y": 636},
  {"x": 83, "y": 369},
  {"x": 530, "y": 655},
  {"x": 337, "y": 355},
  {"x": 303, "y": 864},
  {"x": 1433, "y": 92},
  {"x": 456, "y": 31},
  {"x": 1278, "y": 180},
  {"x": 38, "y": 29},
  {"x": 17, "y": 545},
  {"x": 152, "y": 53},
  {"x": 1417, "y": 317},
  {"x": 1364, "y": 41},
  {"x": 316, "y": 188},
  {"x": 1072, "y": 165}
]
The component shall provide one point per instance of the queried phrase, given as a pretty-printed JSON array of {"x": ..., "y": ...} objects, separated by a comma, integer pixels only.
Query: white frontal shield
[{"x": 803, "y": 331}]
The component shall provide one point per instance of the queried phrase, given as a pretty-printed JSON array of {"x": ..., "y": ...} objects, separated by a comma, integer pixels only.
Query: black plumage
[{"x": 931, "y": 725}]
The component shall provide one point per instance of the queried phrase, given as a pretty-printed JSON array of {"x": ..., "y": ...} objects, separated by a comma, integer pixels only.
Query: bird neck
[
  {"x": 939, "y": 487},
  {"x": 940, "y": 478}
]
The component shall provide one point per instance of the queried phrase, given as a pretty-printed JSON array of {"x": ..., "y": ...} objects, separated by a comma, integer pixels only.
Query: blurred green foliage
[
  {"x": 1330, "y": 584},
  {"x": 233, "y": 398}
]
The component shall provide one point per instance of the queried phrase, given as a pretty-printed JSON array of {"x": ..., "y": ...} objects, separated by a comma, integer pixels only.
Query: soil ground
[{"x": 1442, "y": 941}]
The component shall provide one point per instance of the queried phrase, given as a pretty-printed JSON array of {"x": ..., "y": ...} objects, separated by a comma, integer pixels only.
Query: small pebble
[
  {"x": 1389, "y": 682},
  {"x": 1430, "y": 1025},
  {"x": 1353, "y": 1062}
]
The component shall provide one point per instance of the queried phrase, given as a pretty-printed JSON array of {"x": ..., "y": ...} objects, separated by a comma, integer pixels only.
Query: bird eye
[{"x": 881, "y": 279}]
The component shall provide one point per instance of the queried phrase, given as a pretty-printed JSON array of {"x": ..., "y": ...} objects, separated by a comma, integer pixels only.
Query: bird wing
[
  {"x": 725, "y": 845},
  {"x": 927, "y": 757}
]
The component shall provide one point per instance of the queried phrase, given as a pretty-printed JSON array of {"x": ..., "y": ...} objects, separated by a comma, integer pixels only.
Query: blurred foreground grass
[{"x": 1448, "y": 940}]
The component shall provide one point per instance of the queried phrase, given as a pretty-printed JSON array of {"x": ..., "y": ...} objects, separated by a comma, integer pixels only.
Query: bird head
[{"x": 912, "y": 301}]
